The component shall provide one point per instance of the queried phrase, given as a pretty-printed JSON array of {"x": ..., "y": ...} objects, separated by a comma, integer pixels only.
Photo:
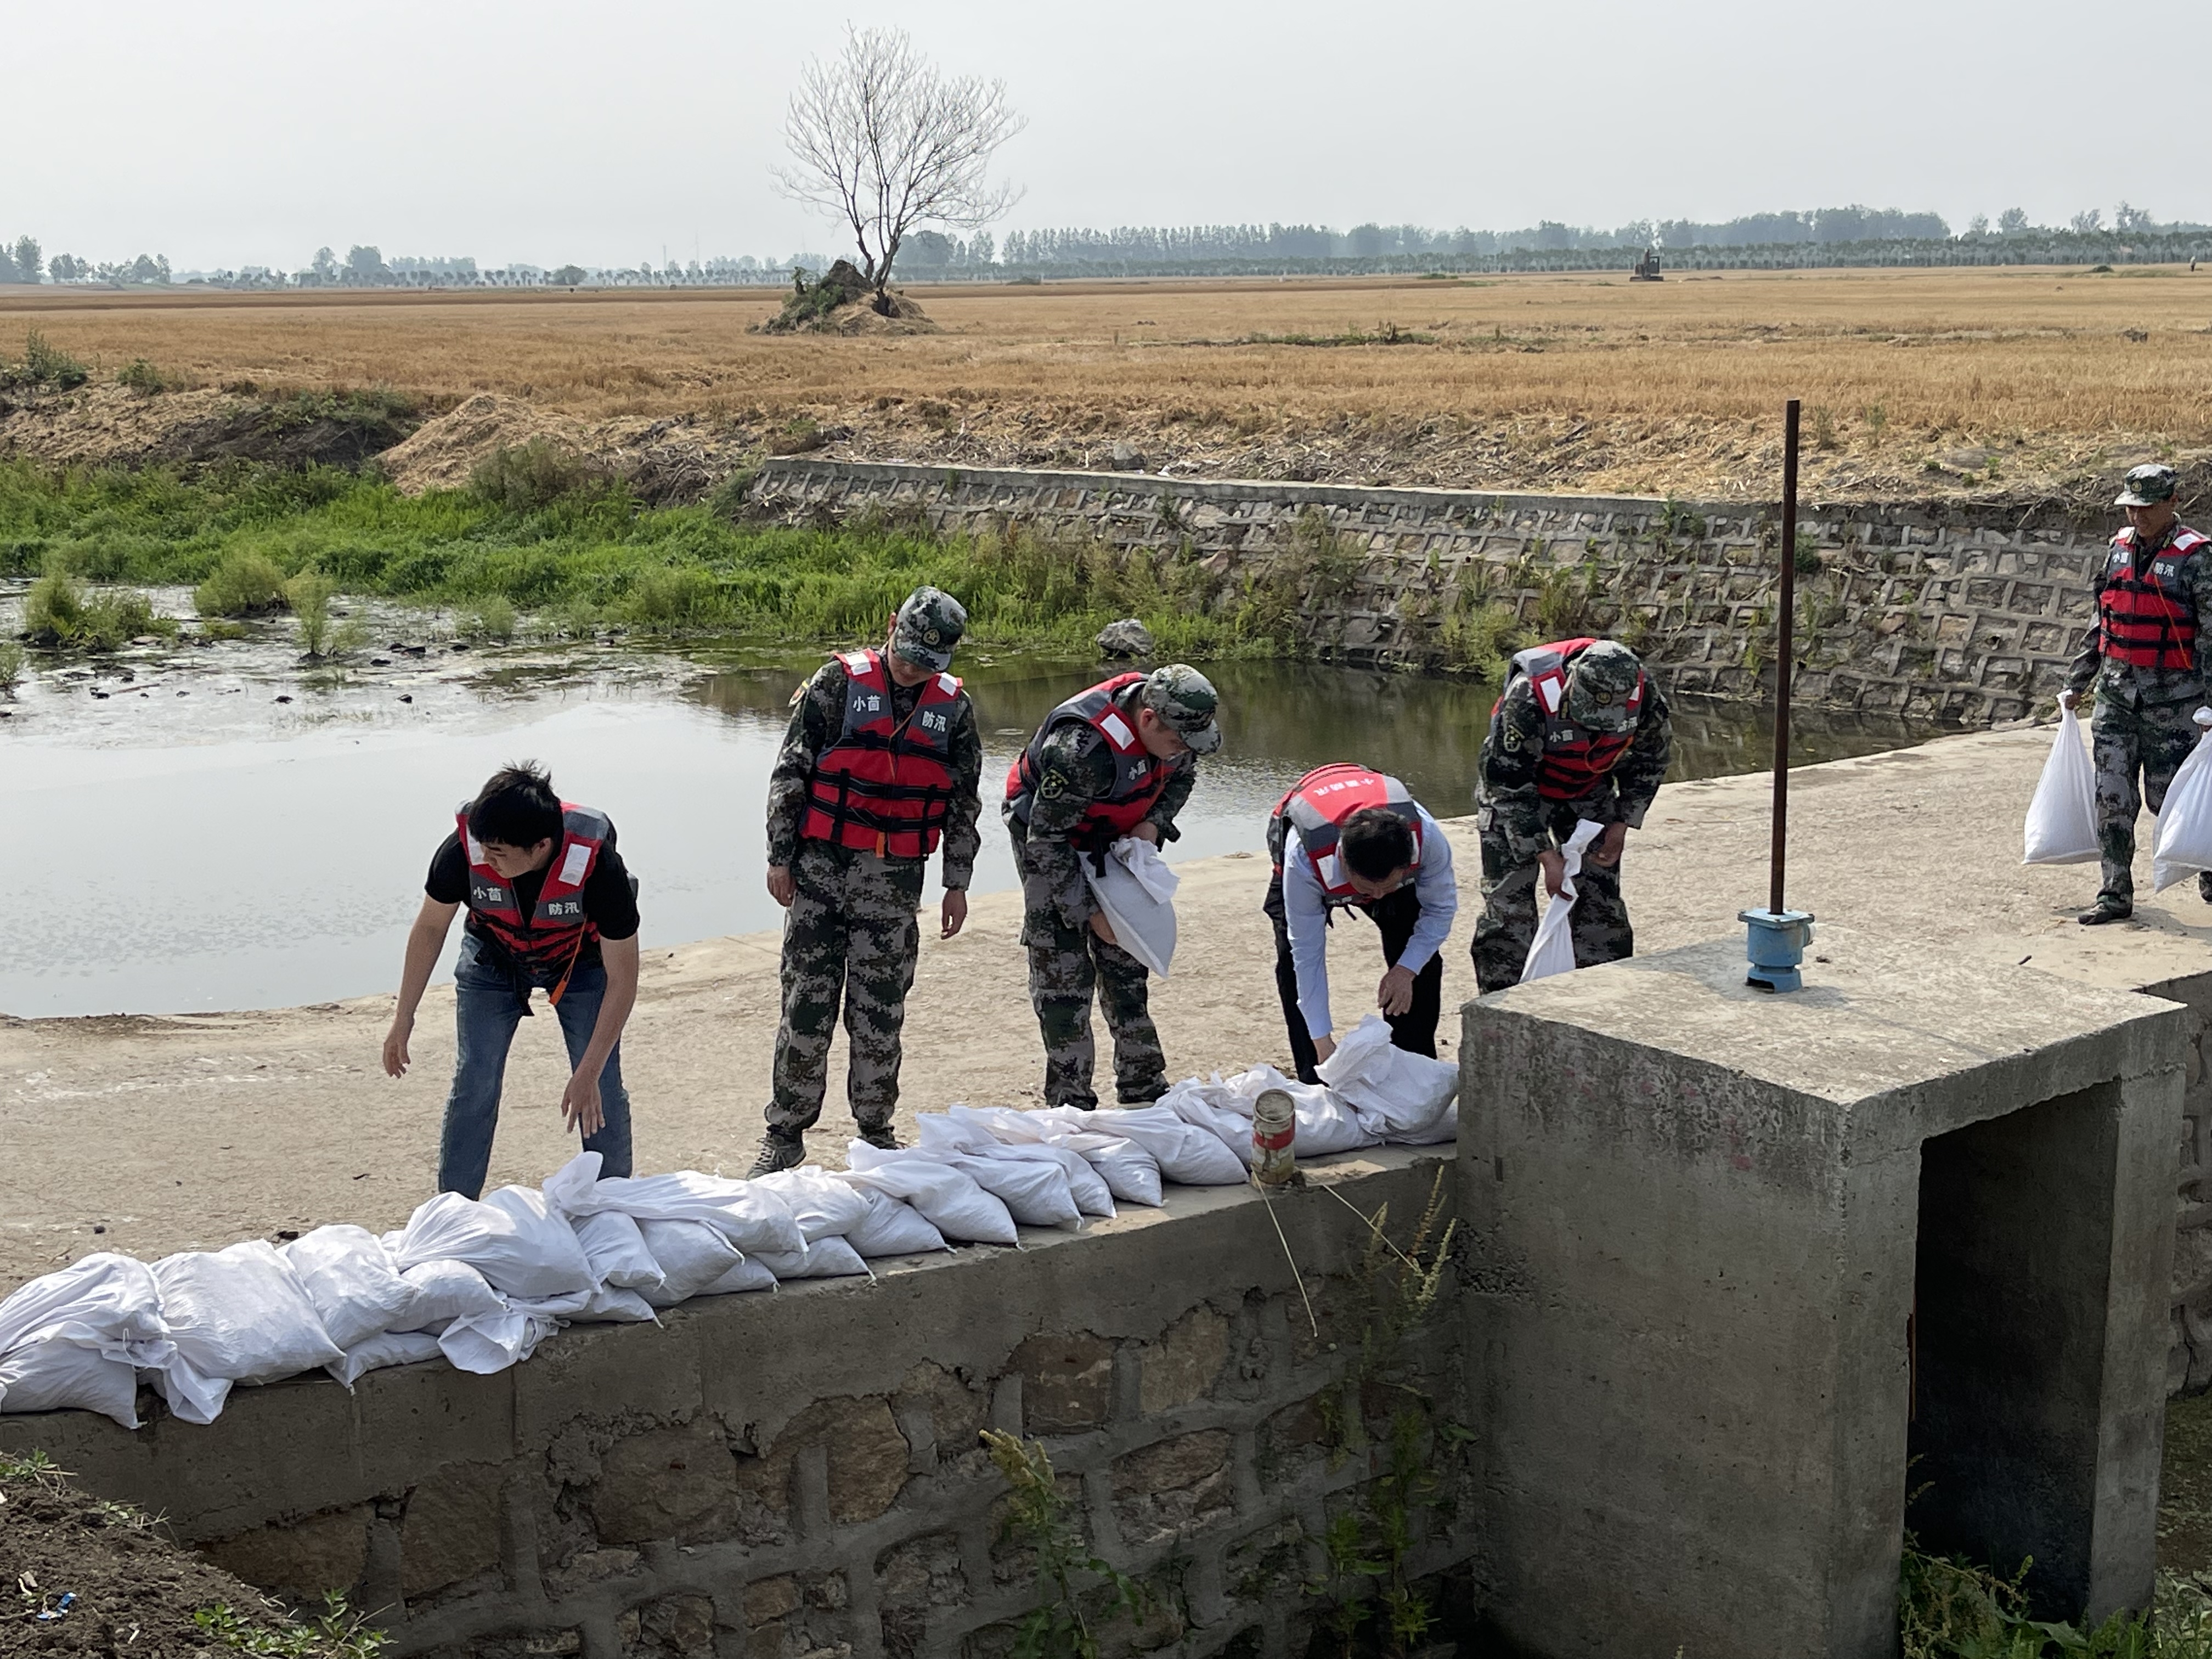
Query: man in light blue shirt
[{"x": 1348, "y": 838}]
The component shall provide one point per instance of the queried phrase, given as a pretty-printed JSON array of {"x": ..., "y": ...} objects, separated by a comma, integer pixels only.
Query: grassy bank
[{"x": 533, "y": 534}]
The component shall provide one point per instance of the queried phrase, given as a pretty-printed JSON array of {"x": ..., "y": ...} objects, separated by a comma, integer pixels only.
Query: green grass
[
  {"x": 1951, "y": 1608},
  {"x": 591, "y": 554}
]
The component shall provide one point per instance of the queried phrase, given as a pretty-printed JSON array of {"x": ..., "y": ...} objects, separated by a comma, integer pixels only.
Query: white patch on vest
[
  {"x": 1330, "y": 869},
  {"x": 476, "y": 850},
  {"x": 573, "y": 865},
  {"x": 1117, "y": 729},
  {"x": 948, "y": 685},
  {"x": 1550, "y": 690},
  {"x": 856, "y": 662}
]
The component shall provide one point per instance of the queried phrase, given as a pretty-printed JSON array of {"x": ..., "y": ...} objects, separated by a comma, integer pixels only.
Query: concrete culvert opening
[{"x": 2013, "y": 1279}]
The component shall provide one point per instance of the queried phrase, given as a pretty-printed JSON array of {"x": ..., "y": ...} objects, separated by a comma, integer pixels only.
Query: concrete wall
[
  {"x": 801, "y": 1473},
  {"x": 1940, "y": 612}
]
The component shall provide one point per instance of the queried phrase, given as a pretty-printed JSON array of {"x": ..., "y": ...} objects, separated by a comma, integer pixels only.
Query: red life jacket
[
  {"x": 1139, "y": 778},
  {"x": 1314, "y": 811},
  {"x": 1576, "y": 759},
  {"x": 883, "y": 786},
  {"x": 2148, "y": 619},
  {"x": 558, "y": 927}
]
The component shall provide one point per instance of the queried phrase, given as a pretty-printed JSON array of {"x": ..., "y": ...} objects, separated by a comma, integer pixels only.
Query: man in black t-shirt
[{"x": 552, "y": 906}]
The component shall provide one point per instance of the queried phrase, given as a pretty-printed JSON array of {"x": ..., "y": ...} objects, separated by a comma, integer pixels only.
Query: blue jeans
[{"x": 488, "y": 1004}]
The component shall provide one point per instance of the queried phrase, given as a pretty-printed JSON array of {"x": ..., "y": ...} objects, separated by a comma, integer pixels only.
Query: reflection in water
[{"x": 292, "y": 848}]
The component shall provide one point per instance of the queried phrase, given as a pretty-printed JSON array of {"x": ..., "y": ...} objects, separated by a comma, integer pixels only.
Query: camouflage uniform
[
  {"x": 1068, "y": 960},
  {"x": 1517, "y": 824},
  {"x": 851, "y": 934},
  {"x": 2141, "y": 725}
]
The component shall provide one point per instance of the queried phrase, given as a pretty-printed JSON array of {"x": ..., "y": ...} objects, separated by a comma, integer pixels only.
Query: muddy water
[{"x": 217, "y": 827}]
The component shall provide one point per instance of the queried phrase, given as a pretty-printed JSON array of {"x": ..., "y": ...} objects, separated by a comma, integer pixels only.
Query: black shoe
[
  {"x": 2103, "y": 911},
  {"x": 2204, "y": 885},
  {"x": 778, "y": 1152},
  {"x": 882, "y": 1135}
]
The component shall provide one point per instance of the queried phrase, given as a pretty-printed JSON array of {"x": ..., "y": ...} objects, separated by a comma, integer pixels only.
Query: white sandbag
[
  {"x": 823, "y": 1205},
  {"x": 617, "y": 1250},
  {"x": 1187, "y": 1155},
  {"x": 514, "y": 1238},
  {"x": 490, "y": 1344},
  {"x": 951, "y": 1200},
  {"x": 2185, "y": 822},
  {"x": 972, "y": 1127},
  {"x": 1035, "y": 1194},
  {"x": 68, "y": 1366},
  {"x": 1444, "y": 1129},
  {"x": 385, "y": 1348},
  {"x": 691, "y": 1255},
  {"x": 1326, "y": 1123},
  {"x": 1136, "y": 889},
  {"x": 892, "y": 1227},
  {"x": 1394, "y": 1092},
  {"x": 569, "y": 1188},
  {"x": 193, "y": 1395},
  {"x": 112, "y": 1295},
  {"x": 1553, "y": 950},
  {"x": 2062, "y": 815},
  {"x": 825, "y": 1258},
  {"x": 1132, "y": 1175},
  {"x": 750, "y": 1216},
  {"x": 611, "y": 1305},
  {"x": 1212, "y": 1109},
  {"x": 240, "y": 1315},
  {"x": 354, "y": 1283},
  {"x": 448, "y": 1291},
  {"x": 747, "y": 1275}
]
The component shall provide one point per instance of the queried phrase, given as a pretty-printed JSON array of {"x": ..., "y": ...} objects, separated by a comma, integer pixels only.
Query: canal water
[{"x": 195, "y": 829}]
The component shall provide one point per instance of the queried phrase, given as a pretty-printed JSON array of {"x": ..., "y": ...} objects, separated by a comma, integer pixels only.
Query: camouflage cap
[
  {"x": 930, "y": 623},
  {"x": 2147, "y": 486},
  {"x": 1187, "y": 701},
  {"x": 1598, "y": 686}
]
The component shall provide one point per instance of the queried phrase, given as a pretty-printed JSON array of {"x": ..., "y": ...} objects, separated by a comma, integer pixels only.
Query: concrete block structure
[{"x": 1746, "y": 1268}]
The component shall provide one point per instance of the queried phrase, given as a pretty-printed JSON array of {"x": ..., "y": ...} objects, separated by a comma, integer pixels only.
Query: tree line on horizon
[{"x": 1160, "y": 250}]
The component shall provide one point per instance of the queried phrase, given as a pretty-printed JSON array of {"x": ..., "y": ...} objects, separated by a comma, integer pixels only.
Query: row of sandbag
[{"x": 482, "y": 1282}]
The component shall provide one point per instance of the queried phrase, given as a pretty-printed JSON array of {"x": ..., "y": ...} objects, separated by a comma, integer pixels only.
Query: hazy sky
[{"x": 236, "y": 131}]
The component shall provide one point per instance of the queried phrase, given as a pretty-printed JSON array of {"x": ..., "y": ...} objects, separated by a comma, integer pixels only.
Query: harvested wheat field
[{"x": 1914, "y": 381}]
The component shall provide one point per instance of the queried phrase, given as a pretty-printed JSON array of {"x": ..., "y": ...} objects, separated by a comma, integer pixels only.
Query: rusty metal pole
[{"x": 1783, "y": 663}]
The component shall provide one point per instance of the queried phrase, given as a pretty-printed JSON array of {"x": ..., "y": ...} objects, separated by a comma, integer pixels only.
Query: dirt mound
[
  {"x": 134, "y": 1591},
  {"x": 443, "y": 453},
  {"x": 114, "y": 426},
  {"x": 844, "y": 301}
]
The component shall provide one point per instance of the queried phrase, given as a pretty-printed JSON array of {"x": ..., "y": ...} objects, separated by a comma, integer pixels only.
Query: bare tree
[{"x": 881, "y": 139}]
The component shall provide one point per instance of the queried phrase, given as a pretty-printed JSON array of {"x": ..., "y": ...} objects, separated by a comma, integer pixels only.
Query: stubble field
[{"x": 1913, "y": 381}]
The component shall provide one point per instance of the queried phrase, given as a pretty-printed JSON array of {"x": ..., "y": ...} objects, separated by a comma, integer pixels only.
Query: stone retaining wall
[
  {"x": 1934, "y": 612},
  {"x": 799, "y": 1473}
]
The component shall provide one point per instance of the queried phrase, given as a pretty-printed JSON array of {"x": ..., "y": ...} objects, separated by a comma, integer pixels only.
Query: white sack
[
  {"x": 193, "y": 1395},
  {"x": 1394, "y": 1093},
  {"x": 2185, "y": 822},
  {"x": 692, "y": 1255},
  {"x": 1211, "y": 1110},
  {"x": 513, "y": 1238},
  {"x": 385, "y": 1348},
  {"x": 617, "y": 1250},
  {"x": 113, "y": 1294},
  {"x": 240, "y": 1315},
  {"x": 352, "y": 1280},
  {"x": 963, "y": 1128},
  {"x": 823, "y": 1205},
  {"x": 1444, "y": 1129},
  {"x": 747, "y": 1275},
  {"x": 2062, "y": 816},
  {"x": 951, "y": 1200},
  {"x": 493, "y": 1342},
  {"x": 1035, "y": 1194},
  {"x": 1552, "y": 951},
  {"x": 1137, "y": 892},
  {"x": 610, "y": 1304},
  {"x": 893, "y": 1227},
  {"x": 69, "y": 1366},
  {"x": 750, "y": 1216},
  {"x": 1131, "y": 1174},
  {"x": 1326, "y": 1123},
  {"x": 448, "y": 1291},
  {"x": 1187, "y": 1155},
  {"x": 825, "y": 1258}
]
